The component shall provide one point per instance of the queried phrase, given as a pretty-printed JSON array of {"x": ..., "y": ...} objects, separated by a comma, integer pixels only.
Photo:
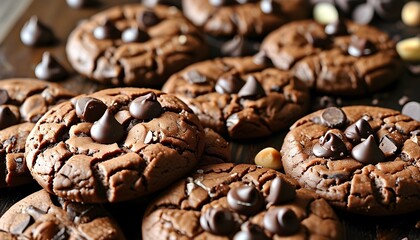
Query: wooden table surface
[{"x": 17, "y": 60}]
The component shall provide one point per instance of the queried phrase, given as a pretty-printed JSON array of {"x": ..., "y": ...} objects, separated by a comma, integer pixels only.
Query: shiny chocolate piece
[
  {"x": 388, "y": 146},
  {"x": 412, "y": 109},
  {"x": 107, "y": 129},
  {"x": 194, "y": 77},
  {"x": 229, "y": 84},
  {"x": 333, "y": 117},
  {"x": 269, "y": 7},
  {"x": 245, "y": 200},
  {"x": 368, "y": 152},
  {"x": 36, "y": 33},
  {"x": 145, "y": 107},
  {"x": 50, "y": 69},
  {"x": 281, "y": 191},
  {"x": 78, "y": 3},
  {"x": 360, "y": 47},
  {"x": 330, "y": 146},
  {"x": 358, "y": 131},
  {"x": 134, "y": 34},
  {"x": 239, "y": 46},
  {"x": 281, "y": 221},
  {"x": 4, "y": 96},
  {"x": 318, "y": 42},
  {"x": 250, "y": 231},
  {"x": 218, "y": 221},
  {"x": 90, "y": 109},
  {"x": 106, "y": 31},
  {"x": 261, "y": 58},
  {"x": 252, "y": 89},
  {"x": 337, "y": 28},
  {"x": 147, "y": 19},
  {"x": 7, "y": 117},
  {"x": 363, "y": 14}
]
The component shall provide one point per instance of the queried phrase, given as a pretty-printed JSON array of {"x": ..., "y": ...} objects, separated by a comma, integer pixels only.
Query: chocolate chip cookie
[
  {"x": 22, "y": 103},
  {"x": 133, "y": 45},
  {"x": 114, "y": 145},
  {"x": 361, "y": 159},
  {"x": 341, "y": 58},
  {"x": 224, "y": 201},
  {"x": 45, "y": 216},
  {"x": 240, "y": 97}
]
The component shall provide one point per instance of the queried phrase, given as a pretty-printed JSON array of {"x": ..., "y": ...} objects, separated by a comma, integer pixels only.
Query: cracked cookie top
[
  {"x": 114, "y": 145},
  {"x": 132, "y": 45},
  {"x": 227, "y": 201},
  {"x": 362, "y": 159}
]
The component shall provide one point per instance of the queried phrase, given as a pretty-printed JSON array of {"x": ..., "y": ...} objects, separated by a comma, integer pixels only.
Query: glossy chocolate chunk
[
  {"x": 333, "y": 117},
  {"x": 36, "y": 33},
  {"x": 239, "y": 46},
  {"x": 337, "y": 28},
  {"x": 358, "y": 131},
  {"x": 281, "y": 221},
  {"x": 90, "y": 109},
  {"x": 363, "y": 14},
  {"x": 330, "y": 146},
  {"x": 412, "y": 109},
  {"x": 78, "y": 3},
  {"x": 281, "y": 191},
  {"x": 145, "y": 107},
  {"x": 106, "y": 31},
  {"x": 50, "y": 69},
  {"x": 229, "y": 84},
  {"x": 270, "y": 7},
  {"x": 252, "y": 89},
  {"x": 388, "y": 146},
  {"x": 147, "y": 19},
  {"x": 368, "y": 152},
  {"x": 4, "y": 96},
  {"x": 245, "y": 200},
  {"x": 318, "y": 42},
  {"x": 7, "y": 117},
  {"x": 360, "y": 47},
  {"x": 250, "y": 231},
  {"x": 134, "y": 34},
  {"x": 194, "y": 77},
  {"x": 107, "y": 129},
  {"x": 218, "y": 221}
]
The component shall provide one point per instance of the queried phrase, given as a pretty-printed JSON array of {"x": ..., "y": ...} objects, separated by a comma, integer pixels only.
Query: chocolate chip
[
  {"x": 195, "y": 77},
  {"x": 218, "y": 221},
  {"x": 358, "y": 131},
  {"x": 363, "y": 14},
  {"x": 4, "y": 96},
  {"x": 7, "y": 117},
  {"x": 281, "y": 191},
  {"x": 252, "y": 89},
  {"x": 147, "y": 18},
  {"x": 106, "y": 30},
  {"x": 219, "y": 3},
  {"x": 336, "y": 28},
  {"x": 36, "y": 33},
  {"x": 78, "y": 3},
  {"x": 270, "y": 7},
  {"x": 333, "y": 117},
  {"x": 388, "y": 9},
  {"x": 250, "y": 231},
  {"x": 107, "y": 129},
  {"x": 90, "y": 109},
  {"x": 281, "y": 221},
  {"x": 229, "y": 84},
  {"x": 239, "y": 46},
  {"x": 134, "y": 34},
  {"x": 412, "y": 109},
  {"x": 245, "y": 200},
  {"x": 21, "y": 223},
  {"x": 367, "y": 152},
  {"x": 50, "y": 69},
  {"x": 145, "y": 107},
  {"x": 318, "y": 41},
  {"x": 360, "y": 47},
  {"x": 261, "y": 58},
  {"x": 330, "y": 146},
  {"x": 388, "y": 146},
  {"x": 415, "y": 133}
]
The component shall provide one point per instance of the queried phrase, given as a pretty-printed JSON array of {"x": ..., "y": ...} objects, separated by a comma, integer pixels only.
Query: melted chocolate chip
[
  {"x": 250, "y": 231},
  {"x": 194, "y": 77},
  {"x": 337, "y": 28},
  {"x": 107, "y": 129},
  {"x": 367, "y": 152},
  {"x": 147, "y": 19},
  {"x": 239, "y": 46},
  {"x": 106, "y": 31},
  {"x": 145, "y": 107},
  {"x": 317, "y": 41},
  {"x": 7, "y": 117},
  {"x": 361, "y": 47},
  {"x": 245, "y": 200},
  {"x": 388, "y": 146},
  {"x": 333, "y": 117},
  {"x": 281, "y": 191},
  {"x": 90, "y": 109},
  {"x": 218, "y": 221},
  {"x": 229, "y": 84},
  {"x": 4, "y": 96},
  {"x": 270, "y": 7},
  {"x": 35, "y": 33},
  {"x": 134, "y": 34},
  {"x": 330, "y": 146},
  {"x": 281, "y": 221},
  {"x": 252, "y": 89},
  {"x": 358, "y": 131},
  {"x": 50, "y": 69}
]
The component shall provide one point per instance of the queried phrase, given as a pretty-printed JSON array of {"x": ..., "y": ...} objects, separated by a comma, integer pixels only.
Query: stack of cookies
[{"x": 180, "y": 92}]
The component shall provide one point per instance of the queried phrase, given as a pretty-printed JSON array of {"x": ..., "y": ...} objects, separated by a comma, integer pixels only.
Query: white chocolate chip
[
  {"x": 269, "y": 158},
  {"x": 409, "y": 49},
  {"x": 325, "y": 13},
  {"x": 411, "y": 14}
]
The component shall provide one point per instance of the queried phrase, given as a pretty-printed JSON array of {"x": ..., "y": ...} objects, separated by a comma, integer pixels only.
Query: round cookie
[
  {"x": 132, "y": 45},
  {"x": 240, "y": 97},
  {"x": 45, "y": 216},
  {"x": 114, "y": 145},
  {"x": 224, "y": 201},
  {"x": 342, "y": 58},
  {"x": 22, "y": 103},
  {"x": 362, "y": 159}
]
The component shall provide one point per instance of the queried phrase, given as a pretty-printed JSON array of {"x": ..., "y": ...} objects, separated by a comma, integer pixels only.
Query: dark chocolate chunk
[
  {"x": 337, "y": 28},
  {"x": 134, "y": 34},
  {"x": 4, "y": 96},
  {"x": 333, "y": 117},
  {"x": 317, "y": 41},
  {"x": 229, "y": 84},
  {"x": 330, "y": 146},
  {"x": 145, "y": 107},
  {"x": 412, "y": 109},
  {"x": 363, "y": 14},
  {"x": 7, "y": 117},
  {"x": 218, "y": 221},
  {"x": 147, "y": 19},
  {"x": 360, "y": 47},
  {"x": 367, "y": 152},
  {"x": 195, "y": 77},
  {"x": 388, "y": 146},
  {"x": 415, "y": 133},
  {"x": 21, "y": 224},
  {"x": 107, "y": 129},
  {"x": 106, "y": 31},
  {"x": 270, "y": 7},
  {"x": 36, "y": 33},
  {"x": 245, "y": 200},
  {"x": 281, "y": 221},
  {"x": 252, "y": 89},
  {"x": 388, "y": 9},
  {"x": 50, "y": 69},
  {"x": 281, "y": 191},
  {"x": 239, "y": 46},
  {"x": 90, "y": 109},
  {"x": 250, "y": 231},
  {"x": 358, "y": 131}
]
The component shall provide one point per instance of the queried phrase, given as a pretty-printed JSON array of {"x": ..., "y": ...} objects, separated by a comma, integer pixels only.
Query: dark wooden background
[{"x": 17, "y": 60}]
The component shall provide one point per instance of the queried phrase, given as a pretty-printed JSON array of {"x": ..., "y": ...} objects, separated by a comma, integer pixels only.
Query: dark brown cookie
[
  {"x": 45, "y": 216},
  {"x": 240, "y": 97},
  {"x": 114, "y": 145},
  {"x": 341, "y": 58},
  {"x": 224, "y": 201},
  {"x": 359, "y": 158},
  {"x": 22, "y": 103},
  {"x": 216, "y": 150},
  {"x": 134, "y": 46}
]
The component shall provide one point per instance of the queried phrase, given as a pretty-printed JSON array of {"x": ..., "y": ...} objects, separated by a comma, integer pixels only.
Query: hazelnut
[
  {"x": 409, "y": 49},
  {"x": 269, "y": 158},
  {"x": 411, "y": 14}
]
